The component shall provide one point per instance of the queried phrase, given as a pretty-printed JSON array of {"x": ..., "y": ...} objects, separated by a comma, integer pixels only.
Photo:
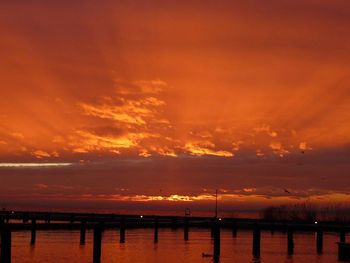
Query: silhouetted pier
[{"x": 33, "y": 221}]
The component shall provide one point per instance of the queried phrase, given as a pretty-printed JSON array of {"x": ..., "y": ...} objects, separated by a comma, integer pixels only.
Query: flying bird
[{"x": 287, "y": 191}]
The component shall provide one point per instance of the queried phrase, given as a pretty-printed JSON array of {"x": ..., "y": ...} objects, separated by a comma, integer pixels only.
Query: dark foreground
[{"x": 97, "y": 225}]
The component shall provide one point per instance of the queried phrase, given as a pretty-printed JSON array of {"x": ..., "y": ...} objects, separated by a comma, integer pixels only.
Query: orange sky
[{"x": 168, "y": 100}]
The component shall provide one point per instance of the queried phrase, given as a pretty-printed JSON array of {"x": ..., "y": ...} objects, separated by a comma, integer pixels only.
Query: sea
[{"x": 63, "y": 246}]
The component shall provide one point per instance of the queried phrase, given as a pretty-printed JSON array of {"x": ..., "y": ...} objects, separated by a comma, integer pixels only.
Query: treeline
[{"x": 307, "y": 212}]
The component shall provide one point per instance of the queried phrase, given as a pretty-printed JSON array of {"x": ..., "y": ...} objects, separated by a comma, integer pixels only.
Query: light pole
[{"x": 216, "y": 203}]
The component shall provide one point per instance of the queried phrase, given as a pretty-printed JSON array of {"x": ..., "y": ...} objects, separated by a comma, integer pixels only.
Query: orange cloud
[
  {"x": 128, "y": 115},
  {"x": 194, "y": 149},
  {"x": 227, "y": 81},
  {"x": 40, "y": 154},
  {"x": 85, "y": 142}
]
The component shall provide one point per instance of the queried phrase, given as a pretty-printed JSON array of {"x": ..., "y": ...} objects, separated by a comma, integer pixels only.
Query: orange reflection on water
[{"x": 63, "y": 246}]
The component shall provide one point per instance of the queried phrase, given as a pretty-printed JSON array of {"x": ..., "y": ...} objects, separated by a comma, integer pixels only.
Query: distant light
[
  {"x": 34, "y": 164},
  {"x": 141, "y": 216},
  {"x": 315, "y": 222},
  {"x": 219, "y": 219}
]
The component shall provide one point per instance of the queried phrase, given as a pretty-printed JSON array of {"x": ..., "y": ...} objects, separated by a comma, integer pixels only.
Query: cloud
[
  {"x": 151, "y": 86},
  {"x": 40, "y": 154},
  {"x": 249, "y": 189},
  {"x": 128, "y": 114},
  {"x": 41, "y": 186},
  {"x": 303, "y": 146},
  {"x": 20, "y": 165},
  {"x": 200, "y": 151},
  {"x": 267, "y": 129},
  {"x": 85, "y": 141},
  {"x": 278, "y": 149},
  {"x": 170, "y": 108},
  {"x": 17, "y": 135}
]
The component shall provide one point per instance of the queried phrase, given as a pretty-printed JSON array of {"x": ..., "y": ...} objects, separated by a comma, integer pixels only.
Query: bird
[
  {"x": 287, "y": 191},
  {"x": 206, "y": 255}
]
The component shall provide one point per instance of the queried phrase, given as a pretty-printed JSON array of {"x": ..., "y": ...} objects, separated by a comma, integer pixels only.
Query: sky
[{"x": 155, "y": 104}]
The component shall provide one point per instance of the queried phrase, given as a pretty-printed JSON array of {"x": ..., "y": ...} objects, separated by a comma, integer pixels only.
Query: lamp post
[{"x": 216, "y": 203}]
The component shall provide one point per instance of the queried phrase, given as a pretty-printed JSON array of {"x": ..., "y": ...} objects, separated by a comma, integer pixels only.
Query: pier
[{"x": 34, "y": 221}]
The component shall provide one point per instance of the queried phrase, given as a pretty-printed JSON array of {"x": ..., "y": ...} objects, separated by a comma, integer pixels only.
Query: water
[{"x": 63, "y": 247}]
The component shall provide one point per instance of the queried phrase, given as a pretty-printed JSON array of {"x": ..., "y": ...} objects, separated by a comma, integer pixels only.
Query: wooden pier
[{"x": 33, "y": 221}]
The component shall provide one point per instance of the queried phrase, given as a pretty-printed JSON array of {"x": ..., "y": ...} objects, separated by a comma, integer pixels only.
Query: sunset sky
[{"x": 155, "y": 104}]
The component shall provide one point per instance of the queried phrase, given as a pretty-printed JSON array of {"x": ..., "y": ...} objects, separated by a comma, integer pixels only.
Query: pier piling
[
  {"x": 212, "y": 228},
  {"x": 256, "y": 241},
  {"x": 272, "y": 228},
  {"x": 343, "y": 251},
  {"x": 234, "y": 229},
  {"x": 156, "y": 230},
  {"x": 122, "y": 230},
  {"x": 25, "y": 218},
  {"x": 72, "y": 218},
  {"x": 342, "y": 234},
  {"x": 33, "y": 236},
  {"x": 82, "y": 232},
  {"x": 47, "y": 218},
  {"x": 319, "y": 240},
  {"x": 216, "y": 228},
  {"x": 290, "y": 241},
  {"x": 97, "y": 244},
  {"x": 173, "y": 223},
  {"x": 186, "y": 229},
  {"x": 5, "y": 245}
]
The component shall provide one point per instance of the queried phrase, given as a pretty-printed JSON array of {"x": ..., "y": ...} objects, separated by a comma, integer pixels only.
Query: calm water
[{"x": 63, "y": 247}]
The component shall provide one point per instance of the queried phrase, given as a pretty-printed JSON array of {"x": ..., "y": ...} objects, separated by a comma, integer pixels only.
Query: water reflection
[
  {"x": 139, "y": 246},
  {"x": 289, "y": 259}
]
